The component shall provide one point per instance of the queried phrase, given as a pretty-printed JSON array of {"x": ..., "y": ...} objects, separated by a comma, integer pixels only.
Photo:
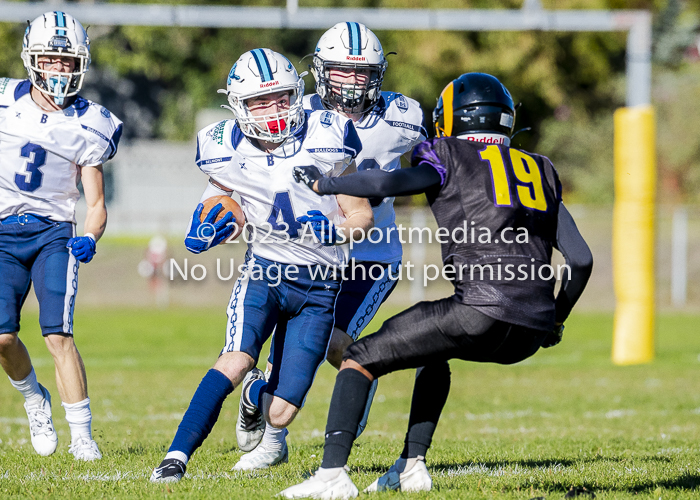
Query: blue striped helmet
[
  {"x": 349, "y": 46},
  {"x": 56, "y": 34},
  {"x": 257, "y": 73}
]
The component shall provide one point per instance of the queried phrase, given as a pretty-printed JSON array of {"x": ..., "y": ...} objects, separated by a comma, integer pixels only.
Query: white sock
[
  {"x": 328, "y": 474},
  {"x": 406, "y": 464},
  {"x": 178, "y": 455},
  {"x": 29, "y": 387},
  {"x": 273, "y": 439},
  {"x": 79, "y": 419}
]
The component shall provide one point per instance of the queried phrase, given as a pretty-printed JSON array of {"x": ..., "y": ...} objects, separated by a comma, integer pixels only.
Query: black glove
[
  {"x": 554, "y": 337},
  {"x": 307, "y": 174}
]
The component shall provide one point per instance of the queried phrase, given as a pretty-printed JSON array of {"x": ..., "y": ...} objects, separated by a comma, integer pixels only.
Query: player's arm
[
  {"x": 94, "y": 189},
  {"x": 84, "y": 247},
  {"x": 579, "y": 259},
  {"x": 427, "y": 171},
  {"x": 359, "y": 217},
  {"x": 215, "y": 188},
  {"x": 376, "y": 183}
]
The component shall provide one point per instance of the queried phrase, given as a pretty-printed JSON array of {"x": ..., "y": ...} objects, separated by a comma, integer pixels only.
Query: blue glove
[
  {"x": 324, "y": 229},
  {"x": 82, "y": 248},
  {"x": 206, "y": 234}
]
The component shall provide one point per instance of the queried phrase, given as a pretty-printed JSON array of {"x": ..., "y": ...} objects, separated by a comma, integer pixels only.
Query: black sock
[
  {"x": 429, "y": 396},
  {"x": 346, "y": 410},
  {"x": 202, "y": 413}
]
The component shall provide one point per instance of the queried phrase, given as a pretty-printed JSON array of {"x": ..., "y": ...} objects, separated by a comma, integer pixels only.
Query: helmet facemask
[
  {"x": 55, "y": 84},
  {"x": 350, "y": 98}
]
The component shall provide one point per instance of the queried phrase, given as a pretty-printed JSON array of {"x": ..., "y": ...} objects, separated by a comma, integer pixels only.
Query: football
[{"x": 230, "y": 205}]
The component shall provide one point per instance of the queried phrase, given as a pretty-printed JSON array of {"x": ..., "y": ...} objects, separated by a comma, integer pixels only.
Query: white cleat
[
  {"x": 413, "y": 480},
  {"x": 325, "y": 484},
  {"x": 250, "y": 426},
  {"x": 85, "y": 449},
  {"x": 44, "y": 438},
  {"x": 262, "y": 458}
]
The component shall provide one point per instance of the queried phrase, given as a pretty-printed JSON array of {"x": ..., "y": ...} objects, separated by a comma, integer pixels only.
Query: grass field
[{"x": 564, "y": 418}]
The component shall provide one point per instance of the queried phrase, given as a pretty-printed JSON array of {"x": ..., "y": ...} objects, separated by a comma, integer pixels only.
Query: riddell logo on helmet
[
  {"x": 355, "y": 58},
  {"x": 269, "y": 84},
  {"x": 487, "y": 138}
]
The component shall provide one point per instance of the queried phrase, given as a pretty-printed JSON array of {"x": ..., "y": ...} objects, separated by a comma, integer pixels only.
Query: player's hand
[
  {"x": 308, "y": 175},
  {"x": 324, "y": 229},
  {"x": 83, "y": 248},
  {"x": 554, "y": 337},
  {"x": 208, "y": 233}
]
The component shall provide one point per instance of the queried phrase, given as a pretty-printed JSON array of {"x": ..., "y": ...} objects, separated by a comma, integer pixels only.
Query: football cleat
[
  {"x": 44, "y": 438},
  {"x": 262, "y": 458},
  {"x": 415, "y": 479},
  {"x": 250, "y": 426},
  {"x": 170, "y": 470},
  {"x": 85, "y": 449},
  {"x": 326, "y": 484}
]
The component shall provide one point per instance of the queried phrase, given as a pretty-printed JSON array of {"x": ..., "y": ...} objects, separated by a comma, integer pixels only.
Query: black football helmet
[{"x": 474, "y": 103}]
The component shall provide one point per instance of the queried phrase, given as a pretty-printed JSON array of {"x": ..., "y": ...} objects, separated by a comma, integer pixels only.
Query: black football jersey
[{"x": 497, "y": 209}]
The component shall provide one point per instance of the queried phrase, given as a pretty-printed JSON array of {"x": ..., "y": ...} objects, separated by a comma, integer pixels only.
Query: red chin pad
[{"x": 273, "y": 128}]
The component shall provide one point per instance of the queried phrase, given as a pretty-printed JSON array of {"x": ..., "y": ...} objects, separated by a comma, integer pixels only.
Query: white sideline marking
[
  {"x": 115, "y": 476},
  {"x": 500, "y": 470}
]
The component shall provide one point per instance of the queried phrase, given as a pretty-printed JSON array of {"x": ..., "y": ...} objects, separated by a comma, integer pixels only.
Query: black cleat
[{"x": 170, "y": 470}]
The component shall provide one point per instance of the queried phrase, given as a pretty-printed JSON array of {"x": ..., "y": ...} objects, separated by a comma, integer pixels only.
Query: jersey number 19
[{"x": 527, "y": 175}]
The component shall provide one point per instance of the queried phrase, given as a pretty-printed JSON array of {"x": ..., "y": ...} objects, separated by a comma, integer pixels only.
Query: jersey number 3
[
  {"x": 527, "y": 174},
  {"x": 30, "y": 179}
]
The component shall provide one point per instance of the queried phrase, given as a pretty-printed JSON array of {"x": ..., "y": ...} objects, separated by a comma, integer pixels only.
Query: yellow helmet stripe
[{"x": 447, "y": 107}]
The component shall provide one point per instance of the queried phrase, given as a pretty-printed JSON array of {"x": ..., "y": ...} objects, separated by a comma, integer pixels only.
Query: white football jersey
[
  {"x": 42, "y": 151},
  {"x": 393, "y": 127},
  {"x": 270, "y": 197}
]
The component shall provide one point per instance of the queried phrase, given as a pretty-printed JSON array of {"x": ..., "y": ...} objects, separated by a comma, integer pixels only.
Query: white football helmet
[
  {"x": 56, "y": 34},
  {"x": 260, "y": 72},
  {"x": 349, "y": 45}
]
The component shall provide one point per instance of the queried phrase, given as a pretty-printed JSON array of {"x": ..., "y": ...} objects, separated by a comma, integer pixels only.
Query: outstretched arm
[
  {"x": 427, "y": 171},
  {"x": 373, "y": 183}
]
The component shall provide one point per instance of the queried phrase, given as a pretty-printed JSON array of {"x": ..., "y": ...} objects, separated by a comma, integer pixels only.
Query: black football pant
[
  {"x": 425, "y": 336},
  {"x": 434, "y": 332}
]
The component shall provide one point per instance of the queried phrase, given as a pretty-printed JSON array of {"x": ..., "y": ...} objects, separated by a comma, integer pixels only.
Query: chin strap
[{"x": 525, "y": 129}]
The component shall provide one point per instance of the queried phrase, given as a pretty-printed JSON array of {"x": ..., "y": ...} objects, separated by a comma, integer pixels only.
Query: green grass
[{"x": 566, "y": 417}]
